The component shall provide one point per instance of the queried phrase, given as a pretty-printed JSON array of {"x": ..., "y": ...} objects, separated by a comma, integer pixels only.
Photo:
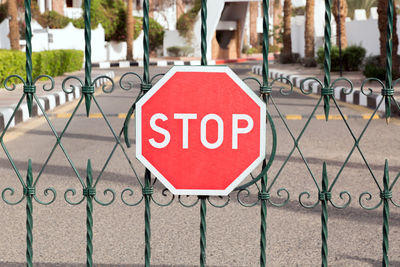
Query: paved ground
[{"x": 233, "y": 231}]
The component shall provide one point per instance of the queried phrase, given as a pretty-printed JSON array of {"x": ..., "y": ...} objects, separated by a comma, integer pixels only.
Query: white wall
[
  {"x": 4, "y": 30},
  {"x": 172, "y": 38},
  {"x": 116, "y": 51}
]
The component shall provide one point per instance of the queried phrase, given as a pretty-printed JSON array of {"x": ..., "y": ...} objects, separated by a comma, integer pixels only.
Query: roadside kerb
[
  {"x": 48, "y": 101},
  {"x": 356, "y": 97}
]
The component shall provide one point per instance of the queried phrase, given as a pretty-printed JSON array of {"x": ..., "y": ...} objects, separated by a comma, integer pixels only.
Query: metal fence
[{"x": 261, "y": 180}]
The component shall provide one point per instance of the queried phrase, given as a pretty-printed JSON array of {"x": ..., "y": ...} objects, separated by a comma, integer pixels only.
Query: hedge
[{"x": 53, "y": 63}]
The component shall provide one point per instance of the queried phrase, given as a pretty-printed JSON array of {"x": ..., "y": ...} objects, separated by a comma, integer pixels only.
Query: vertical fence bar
[
  {"x": 265, "y": 90},
  {"x": 324, "y": 197},
  {"x": 29, "y": 192},
  {"x": 29, "y": 88},
  {"x": 88, "y": 89},
  {"x": 147, "y": 190},
  {"x": 385, "y": 196},
  {"x": 389, "y": 61},
  {"x": 327, "y": 55},
  {"x": 89, "y": 193},
  {"x": 203, "y": 204}
]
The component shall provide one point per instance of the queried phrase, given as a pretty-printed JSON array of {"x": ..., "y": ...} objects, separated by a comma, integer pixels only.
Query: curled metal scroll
[
  {"x": 369, "y": 92},
  {"x": 243, "y": 194},
  {"x": 11, "y": 193},
  {"x": 309, "y": 91},
  {"x": 279, "y": 194},
  {"x": 343, "y": 195},
  {"x": 129, "y": 83},
  {"x": 12, "y": 88},
  {"x": 104, "y": 87},
  {"x": 190, "y": 204},
  {"x": 344, "y": 90},
  {"x": 367, "y": 196},
  {"x": 46, "y": 193},
  {"x": 105, "y": 193},
  {"x": 69, "y": 91},
  {"x": 164, "y": 194},
  {"x": 72, "y": 191},
  {"x": 308, "y": 195},
  {"x": 44, "y": 87},
  {"x": 282, "y": 89},
  {"x": 223, "y": 204},
  {"x": 130, "y": 193}
]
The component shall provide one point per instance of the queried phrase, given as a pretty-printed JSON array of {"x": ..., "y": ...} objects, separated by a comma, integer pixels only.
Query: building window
[{"x": 70, "y": 3}]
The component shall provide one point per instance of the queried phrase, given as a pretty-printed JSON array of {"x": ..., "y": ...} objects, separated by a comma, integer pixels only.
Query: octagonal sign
[{"x": 200, "y": 130}]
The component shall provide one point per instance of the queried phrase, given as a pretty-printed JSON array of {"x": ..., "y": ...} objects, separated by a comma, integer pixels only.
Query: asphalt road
[{"x": 294, "y": 233}]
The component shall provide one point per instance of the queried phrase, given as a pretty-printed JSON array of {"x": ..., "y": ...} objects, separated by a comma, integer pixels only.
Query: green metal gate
[{"x": 262, "y": 180}]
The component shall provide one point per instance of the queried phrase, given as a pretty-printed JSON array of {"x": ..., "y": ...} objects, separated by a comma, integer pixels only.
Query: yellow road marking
[
  {"x": 63, "y": 115},
  {"x": 367, "y": 116},
  {"x": 121, "y": 115},
  {"x": 330, "y": 117},
  {"x": 95, "y": 116},
  {"x": 294, "y": 117}
]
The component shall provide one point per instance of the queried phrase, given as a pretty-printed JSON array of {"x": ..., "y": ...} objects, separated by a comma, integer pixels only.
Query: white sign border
[{"x": 243, "y": 86}]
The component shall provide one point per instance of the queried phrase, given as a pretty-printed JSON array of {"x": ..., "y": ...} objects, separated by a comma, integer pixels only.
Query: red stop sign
[{"x": 200, "y": 130}]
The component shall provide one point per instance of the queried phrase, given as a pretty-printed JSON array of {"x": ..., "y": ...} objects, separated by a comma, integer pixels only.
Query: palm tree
[
  {"x": 382, "y": 25},
  {"x": 340, "y": 31},
  {"x": 287, "y": 38},
  {"x": 14, "y": 28},
  {"x": 309, "y": 31},
  {"x": 129, "y": 31},
  {"x": 277, "y": 21}
]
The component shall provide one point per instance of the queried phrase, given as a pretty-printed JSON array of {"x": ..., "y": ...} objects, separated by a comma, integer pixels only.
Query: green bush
[
  {"x": 53, "y": 63},
  {"x": 373, "y": 68},
  {"x": 180, "y": 51},
  {"x": 352, "y": 57},
  {"x": 156, "y": 32},
  {"x": 53, "y": 20}
]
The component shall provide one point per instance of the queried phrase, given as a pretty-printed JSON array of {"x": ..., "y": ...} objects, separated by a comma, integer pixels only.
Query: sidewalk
[
  {"x": 297, "y": 73},
  {"x": 48, "y": 99}
]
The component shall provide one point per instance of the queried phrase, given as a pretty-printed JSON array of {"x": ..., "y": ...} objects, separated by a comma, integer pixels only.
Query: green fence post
[
  {"x": 29, "y": 192},
  {"x": 29, "y": 88},
  {"x": 326, "y": 92},
  {"x": 388, "y": 91},
  {"x": 203, "y": 204},
  {"x": 88, "y": 88},
  {"x": 385, "y": 196},
  {"x": 89, "y": 192},
  {"x": 324, "y": 197}
]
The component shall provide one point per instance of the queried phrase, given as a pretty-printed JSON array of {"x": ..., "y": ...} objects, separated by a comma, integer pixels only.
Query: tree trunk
[
  {"x": 277, "y": 22},
  {"x": 287, "y": 38},
  {"x": 343, "y": 15},
  {"x": 129, "y": 31},
  {"x": 253, "y": 24},
  {"x": 309, "y": 30},
  {"x": 14, "y": 28},
  {"x": 382, "y": 24}
]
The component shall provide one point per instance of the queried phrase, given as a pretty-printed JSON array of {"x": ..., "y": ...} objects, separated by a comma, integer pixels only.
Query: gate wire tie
[
  {"x": 87, "y": 89},
  {"x": 388, "y": 92},
  {"x": 327, "y": 91},
  {"x": 89, "y": 192},
  {"x": 265, "y": 89},
  {"x": 29, "y": 191},
  {"x": 147, "y": 191},
  {"x": 325, "y": 196},
  {"x": 29, "y": 89},
  {"x": 145, "y": 87},
  {"x": 386, "y": 194},
  {"x": 263, "y": 196}
]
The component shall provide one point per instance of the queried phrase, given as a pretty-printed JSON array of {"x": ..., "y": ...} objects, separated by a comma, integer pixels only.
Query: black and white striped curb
[
  {"x": 356, "y": 97},
  {"x": 160, "y": 63},
  {"x": 49, "y": 102}
]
